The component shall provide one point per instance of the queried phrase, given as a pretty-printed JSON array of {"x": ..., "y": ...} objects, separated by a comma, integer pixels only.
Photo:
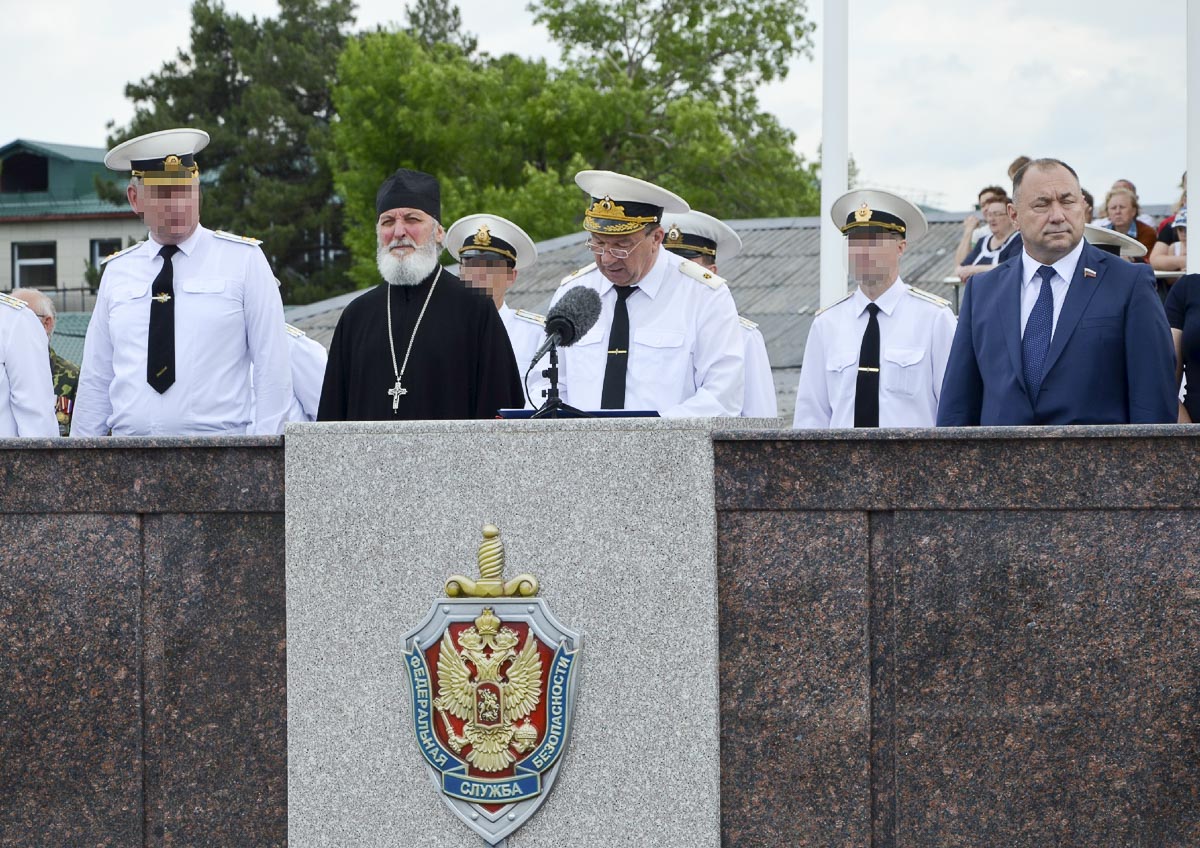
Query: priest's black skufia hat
[{"x": 408, "y": 189}]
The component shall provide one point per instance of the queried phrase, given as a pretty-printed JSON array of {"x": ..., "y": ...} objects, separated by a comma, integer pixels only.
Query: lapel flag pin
[{"x": 1088, "y": 272}]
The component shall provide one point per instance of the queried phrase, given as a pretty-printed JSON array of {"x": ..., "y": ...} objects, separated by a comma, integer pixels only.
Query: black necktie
[
  {"x": 160, "y": 349},
  {"x": 612, "y": 396},
  {"x": 866, "y": 392}
]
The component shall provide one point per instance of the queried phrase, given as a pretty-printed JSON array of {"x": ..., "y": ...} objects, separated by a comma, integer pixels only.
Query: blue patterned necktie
[{"x": 1035, "y": 344}]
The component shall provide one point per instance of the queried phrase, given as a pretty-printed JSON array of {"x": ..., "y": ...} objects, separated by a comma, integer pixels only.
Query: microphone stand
[{"x": 554, "y": 407}]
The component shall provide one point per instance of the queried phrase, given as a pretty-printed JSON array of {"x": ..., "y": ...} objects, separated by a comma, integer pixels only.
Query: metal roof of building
[{"x": 74, "y": 152}]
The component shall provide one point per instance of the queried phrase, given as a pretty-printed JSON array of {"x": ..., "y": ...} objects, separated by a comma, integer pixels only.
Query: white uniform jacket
[
  {"x": 228, "y": 315},
  {"x": 916, "y": 330},
  {"x": 686, "y": 354},
  {"x": 760, "y": 382},
  {"x": 26, "y": 383}
]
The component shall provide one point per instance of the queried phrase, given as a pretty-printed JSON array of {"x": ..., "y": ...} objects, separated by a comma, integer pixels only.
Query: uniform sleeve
[
  {"x": 960, "y": 403},
  {"x": 813, "y": 409},
  {"x": 1149, "y": 357},
  {"x": 266, "y": 339},
  {"x": 944, "y": 326},
  {"x": 31, "y": 386},
  {"x": 719, "y": 365},
  {"x": 93, "y": 403},
  {"x": 760, "y": 399},
  {"x": 308, "y": 360}
]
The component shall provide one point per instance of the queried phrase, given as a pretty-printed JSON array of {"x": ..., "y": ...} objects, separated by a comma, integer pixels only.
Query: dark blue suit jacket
[{"x": 1111, "y": 359}]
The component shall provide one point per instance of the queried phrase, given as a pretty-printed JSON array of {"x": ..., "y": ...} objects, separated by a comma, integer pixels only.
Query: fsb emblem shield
[{"x": 492, "y": 677}]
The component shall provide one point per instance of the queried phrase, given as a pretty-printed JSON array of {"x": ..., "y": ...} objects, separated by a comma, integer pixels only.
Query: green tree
[
  {"x": 439, "y": 22},
  {"x": 261, "y": 88},
  {"x": 662, "y": 91}
]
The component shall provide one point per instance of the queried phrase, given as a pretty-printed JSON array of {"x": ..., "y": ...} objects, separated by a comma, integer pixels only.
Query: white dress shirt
[
  {"x": 228, "y": 315},
  {"x": 1031, "y": 283},
  {"x": 915, "y": 335},
  {"x": 686, "y": 354},
  {"x": 26, "y": 385},
  {"x": 760, "y": 399}
]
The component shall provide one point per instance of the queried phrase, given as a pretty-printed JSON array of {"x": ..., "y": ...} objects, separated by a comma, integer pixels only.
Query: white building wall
[{"x": 73, "y": 240}]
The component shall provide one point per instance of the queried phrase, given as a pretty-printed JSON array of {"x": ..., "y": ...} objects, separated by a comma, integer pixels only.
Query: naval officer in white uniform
[
  {"x": 181, "y": 317},
  {"x": 705, "y": 240},
  {"x": 668, "y": 337},
  {"x": 27, "y": 399},
  {"x": 491, "y": 251},
  {"x": 876, "y": 358}
]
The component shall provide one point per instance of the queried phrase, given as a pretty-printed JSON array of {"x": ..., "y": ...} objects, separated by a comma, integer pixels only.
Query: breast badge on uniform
[{"x": 492, "y": 678}]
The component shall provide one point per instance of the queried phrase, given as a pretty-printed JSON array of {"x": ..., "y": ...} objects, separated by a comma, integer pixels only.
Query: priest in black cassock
[{"x": 421, "y": 345}]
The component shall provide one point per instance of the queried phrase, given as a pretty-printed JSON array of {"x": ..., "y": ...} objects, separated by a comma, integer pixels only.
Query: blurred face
[
  {"x": 875, "y": 258},
  {"x": 170, "y": 212},
  {"x": 1048, "y": 210},
  {"x": 996, "y": 216},
  {"x": 1120, "y": 211},
  {"x": 642, "y": 249},
  {"x": 494, "y": 277}
]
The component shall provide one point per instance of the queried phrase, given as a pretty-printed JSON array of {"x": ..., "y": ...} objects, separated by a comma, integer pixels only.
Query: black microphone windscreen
[{"x": 574, "y": 315}]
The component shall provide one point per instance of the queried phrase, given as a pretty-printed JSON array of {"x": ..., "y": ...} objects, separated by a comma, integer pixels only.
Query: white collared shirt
[
  {"x": 1031, "y": 283},
  {"x": 915, "y": 335},
  {"x": 26, "y": 384},
  {"x": 686, "y": 353},
  {"x": 228, "y": 315}
]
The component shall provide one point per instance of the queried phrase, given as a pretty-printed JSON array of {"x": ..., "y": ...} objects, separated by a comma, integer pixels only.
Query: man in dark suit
[{"x": 1063, "y": 333}]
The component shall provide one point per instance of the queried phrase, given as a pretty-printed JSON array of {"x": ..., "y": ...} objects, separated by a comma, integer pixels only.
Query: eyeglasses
[{"x": 614, "y": 252}]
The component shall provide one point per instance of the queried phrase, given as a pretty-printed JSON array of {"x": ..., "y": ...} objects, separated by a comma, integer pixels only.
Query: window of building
[
  {"x": 35, "y": 265},
  {"x": 24, "y": 172},
  {"x": 102, "y": 248}
]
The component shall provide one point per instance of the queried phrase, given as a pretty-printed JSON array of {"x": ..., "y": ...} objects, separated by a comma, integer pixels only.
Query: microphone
[{"x": 569, "y": 319}]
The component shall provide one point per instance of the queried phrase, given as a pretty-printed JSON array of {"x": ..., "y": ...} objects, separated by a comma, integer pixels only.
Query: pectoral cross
[{"x": 395, "y": 393}]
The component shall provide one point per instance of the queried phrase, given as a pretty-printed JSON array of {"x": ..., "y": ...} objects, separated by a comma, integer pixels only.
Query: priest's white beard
[{"x": 409, "y": 271}]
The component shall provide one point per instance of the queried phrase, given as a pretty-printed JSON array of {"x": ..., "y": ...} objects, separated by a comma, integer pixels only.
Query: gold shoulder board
[
  {"x": 9, "y": 300},
  {"x": 531, "y": 317},
  {"x": 701, "y": 274},
  {"x": 295, "y": 332},
  {"x": 122, "y": 252},
  {"x": 577, "y": 274},
  {"x": 747, "y": 323},
  {"x": 835, "y": 303},
  {"x": 928, "y": 296},
  {"x": 221, "y": 234}
]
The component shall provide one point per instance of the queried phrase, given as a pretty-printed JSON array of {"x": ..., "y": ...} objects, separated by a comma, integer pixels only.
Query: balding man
[
  {"x": 64, "y": 374},
  {"x": 1063, "y": 334}
]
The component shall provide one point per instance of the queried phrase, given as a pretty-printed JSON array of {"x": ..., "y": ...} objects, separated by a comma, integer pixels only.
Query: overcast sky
[{"x": 943, "y": 93}]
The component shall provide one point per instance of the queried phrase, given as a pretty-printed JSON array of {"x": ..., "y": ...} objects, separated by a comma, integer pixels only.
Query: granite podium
[
  {"x": 898, "y": 638},
  {"x": 615, "y": 517}
]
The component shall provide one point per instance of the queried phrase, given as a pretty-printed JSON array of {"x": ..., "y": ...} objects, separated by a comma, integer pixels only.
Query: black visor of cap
[
  {"x": 877, "y": 222},
  {"x": 186, "y": 160}
]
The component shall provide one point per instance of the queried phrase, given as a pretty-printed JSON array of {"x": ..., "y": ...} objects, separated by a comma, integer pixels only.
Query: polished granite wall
[
  {"x": 142, "y": 643},
  {"x": 982, "y": 637}
]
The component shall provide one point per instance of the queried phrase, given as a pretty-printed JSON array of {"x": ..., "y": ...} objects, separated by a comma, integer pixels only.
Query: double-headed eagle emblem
[
  {"x": 504, "y": 688},
  {"x": 492, "y": 678}
]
